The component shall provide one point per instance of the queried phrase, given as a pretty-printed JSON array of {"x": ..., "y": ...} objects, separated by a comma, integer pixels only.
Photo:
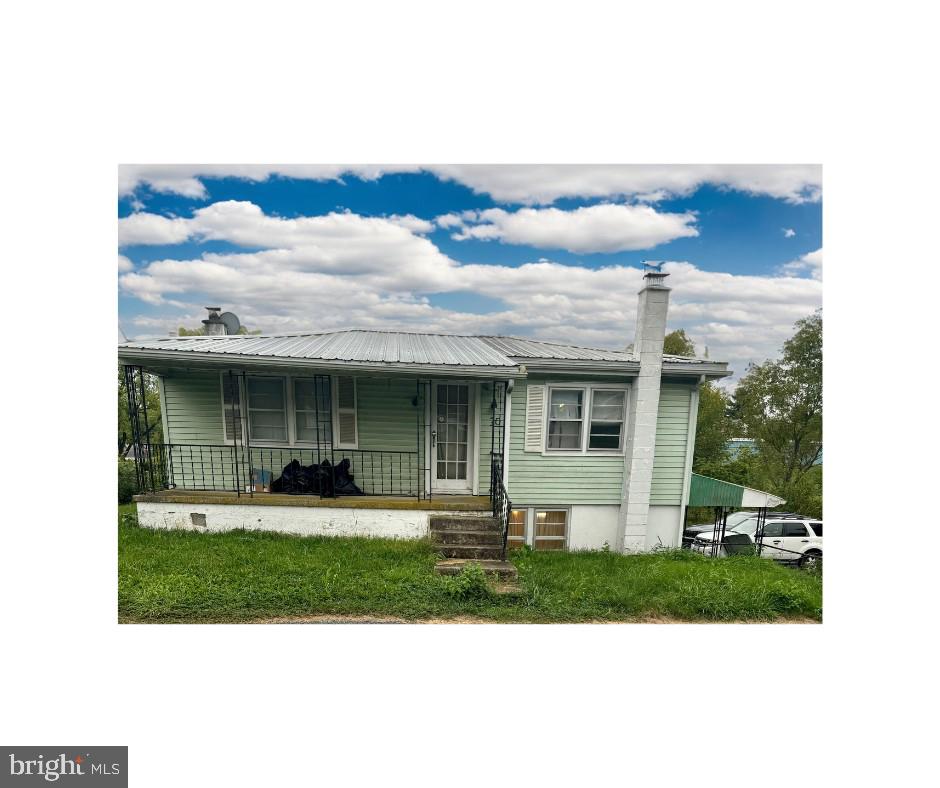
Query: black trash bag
[
  {"x": 320, "y": 478},
  {"x": 343, "y": 483},
  {"x": 294, "y": 480}
]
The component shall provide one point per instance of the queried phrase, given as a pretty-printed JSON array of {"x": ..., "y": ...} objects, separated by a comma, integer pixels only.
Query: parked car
[
  {"x": 734, "y": 520},
  {"x": 785, "y": 539}
]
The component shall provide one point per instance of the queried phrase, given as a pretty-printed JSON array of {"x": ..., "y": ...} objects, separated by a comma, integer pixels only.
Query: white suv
[{"x": 792, "y": 539}]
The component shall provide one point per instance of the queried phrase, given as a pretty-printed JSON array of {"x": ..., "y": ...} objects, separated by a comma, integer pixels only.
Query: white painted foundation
[
  {"x": 301, "y": 520},
  {"x": 593, "y": 525},
  {"x": 664, "y": 527}
]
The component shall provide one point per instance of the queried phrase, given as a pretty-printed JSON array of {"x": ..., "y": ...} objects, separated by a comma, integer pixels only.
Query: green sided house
[{"x": 385, "y": 433}]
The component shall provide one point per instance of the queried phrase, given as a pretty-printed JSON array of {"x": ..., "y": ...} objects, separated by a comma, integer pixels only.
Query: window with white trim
[
  {"x": 312, "y": 413},
  {"x": 607, "y": 415},
  {"x": 551, "y": 529},
  {"x": 581, "y": 419},
  {"x": 565, "y": 418},
  {"x": 267, "y": 409}
]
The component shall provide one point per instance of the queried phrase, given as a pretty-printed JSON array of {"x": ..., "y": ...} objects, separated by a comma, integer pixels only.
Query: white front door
[{"x": 452, "y": 437}]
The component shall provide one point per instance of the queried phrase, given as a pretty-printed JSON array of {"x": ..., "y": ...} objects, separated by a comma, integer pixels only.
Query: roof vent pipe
[{"x": 214, "y": 325}]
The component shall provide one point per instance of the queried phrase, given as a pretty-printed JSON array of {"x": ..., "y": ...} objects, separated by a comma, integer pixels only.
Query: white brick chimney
[
  {"x": 214, "y": 325},
  {"x": 644, "y": 408}
]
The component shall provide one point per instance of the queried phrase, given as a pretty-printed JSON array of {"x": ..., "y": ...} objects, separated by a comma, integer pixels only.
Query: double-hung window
[
  {"x": 585, "y": 418},
  {"x": 565, "y": 418},
  {"x": 312, "y": 412},
  {"x": 267, "y": 409},
  {"x": 607, "y": 412}
]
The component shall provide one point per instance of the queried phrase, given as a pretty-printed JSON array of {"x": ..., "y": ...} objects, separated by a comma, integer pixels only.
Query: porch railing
[
  {"x": 254, "y": 470},
  {"x": 499, "y": 498}
]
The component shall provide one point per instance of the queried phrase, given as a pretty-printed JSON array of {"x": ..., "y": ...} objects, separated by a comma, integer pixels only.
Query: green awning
[{"x": 706, "y": 491}]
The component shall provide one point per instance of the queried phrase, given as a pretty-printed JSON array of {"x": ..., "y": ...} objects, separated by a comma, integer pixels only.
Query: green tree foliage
[
  {"x": 780, "y": 405},
  {"x": 201, "y": 331},
  {"x": 713, "y": 431},
  {"x": 677, "y": 343},
  {"x": 152, "y": 399}
]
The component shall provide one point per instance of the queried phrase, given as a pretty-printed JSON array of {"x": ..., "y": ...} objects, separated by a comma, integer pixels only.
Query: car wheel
[{"x": 811, "y": 560}]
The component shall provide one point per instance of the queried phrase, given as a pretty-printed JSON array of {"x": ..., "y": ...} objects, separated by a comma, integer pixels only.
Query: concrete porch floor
[{"x": 440, "y": 503}]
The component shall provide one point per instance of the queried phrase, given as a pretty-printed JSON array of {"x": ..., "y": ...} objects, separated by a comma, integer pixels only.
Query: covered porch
[{"x": 349, "y": 437}]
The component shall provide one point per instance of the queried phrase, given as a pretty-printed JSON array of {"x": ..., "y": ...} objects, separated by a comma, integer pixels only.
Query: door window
[
  {"x": 817, "y": 528},
  {"x": 453, "y": 418},
  {"x": 795, "y": 529}
]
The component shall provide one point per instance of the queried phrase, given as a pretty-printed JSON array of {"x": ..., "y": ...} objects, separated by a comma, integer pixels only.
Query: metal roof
[
  {"x": 388, "y": 347},
  {"x": 391, "y": 347},
  {"x": 706, "y": 491},
  {"x": 515, "y": 347}
]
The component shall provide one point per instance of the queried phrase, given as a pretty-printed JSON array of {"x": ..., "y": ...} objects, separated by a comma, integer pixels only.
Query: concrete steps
[
  {"x": 501, "y": 570},
  {"x": 467, "y": 537},
  {"x": 463, "y": 540}
]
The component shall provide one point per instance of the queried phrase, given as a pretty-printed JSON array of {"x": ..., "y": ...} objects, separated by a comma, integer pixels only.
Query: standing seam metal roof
[{"x": 391, "y": 347}]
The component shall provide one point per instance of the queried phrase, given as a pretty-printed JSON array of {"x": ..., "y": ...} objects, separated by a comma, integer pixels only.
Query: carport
[{"x": 725, "y": 496}]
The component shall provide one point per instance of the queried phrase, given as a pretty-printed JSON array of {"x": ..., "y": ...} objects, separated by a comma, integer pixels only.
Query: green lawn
[{"x": 181, "y": 576}]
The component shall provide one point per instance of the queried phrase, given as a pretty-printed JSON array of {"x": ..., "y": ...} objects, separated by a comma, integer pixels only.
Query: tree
[
  {"x": 713, "y": 431},
  {"x": 780, "y": 404},
  {"x": 677, "y": 343},
  {"x": 152, "y": 400},
  {"x": 201, "y": 331}
]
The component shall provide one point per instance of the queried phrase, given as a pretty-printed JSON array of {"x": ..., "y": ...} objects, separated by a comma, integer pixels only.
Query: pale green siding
[
  {"x": 389, "y": 422},
  {"x": 193, "y": 407},
  {"x": 535, "y": 479},
  {"x": 672, "y": 433}
]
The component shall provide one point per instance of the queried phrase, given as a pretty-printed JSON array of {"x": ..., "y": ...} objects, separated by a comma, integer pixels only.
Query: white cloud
[
  {"x": 344, "y": 270},
  {"x": 597, "y": 228},
  {"x": 413, "y": 223},
  {"x": 124, "y": 264},
  {"x": 788, "y": 232},
  {"x": 530, "y": 184},
  {"x": 150, "y": 228},
  {"x": 810, "y": 263}
]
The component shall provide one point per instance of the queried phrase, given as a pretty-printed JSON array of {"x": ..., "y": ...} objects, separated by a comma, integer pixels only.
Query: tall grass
[{"x": 245, "y": 575}]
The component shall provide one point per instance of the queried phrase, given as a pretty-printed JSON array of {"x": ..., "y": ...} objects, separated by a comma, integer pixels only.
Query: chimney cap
[{"x": 655, "y": 279}]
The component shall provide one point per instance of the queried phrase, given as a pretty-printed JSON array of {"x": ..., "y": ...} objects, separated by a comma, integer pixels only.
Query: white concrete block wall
[{"x": 300, "y": 520}]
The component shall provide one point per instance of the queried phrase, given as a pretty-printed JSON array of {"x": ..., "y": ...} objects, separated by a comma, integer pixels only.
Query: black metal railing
[
  {"x": 334, "y": 472},
  {"x": 250, "y": 470},
  {"x": 499, "y": 498}
]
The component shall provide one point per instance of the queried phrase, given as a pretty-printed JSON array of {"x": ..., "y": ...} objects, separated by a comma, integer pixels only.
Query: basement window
[
  {"x": 516, "y": 537},
  {"x": 551, "y": 529}
]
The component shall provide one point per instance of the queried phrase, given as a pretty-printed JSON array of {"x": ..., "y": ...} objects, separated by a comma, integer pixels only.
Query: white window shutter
[
  {"x": 347, "y": 430},
  {"x": 534, "y": 417}
]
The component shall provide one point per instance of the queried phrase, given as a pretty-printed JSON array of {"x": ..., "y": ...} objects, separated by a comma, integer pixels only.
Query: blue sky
[{"x": 549, "y": 251}]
